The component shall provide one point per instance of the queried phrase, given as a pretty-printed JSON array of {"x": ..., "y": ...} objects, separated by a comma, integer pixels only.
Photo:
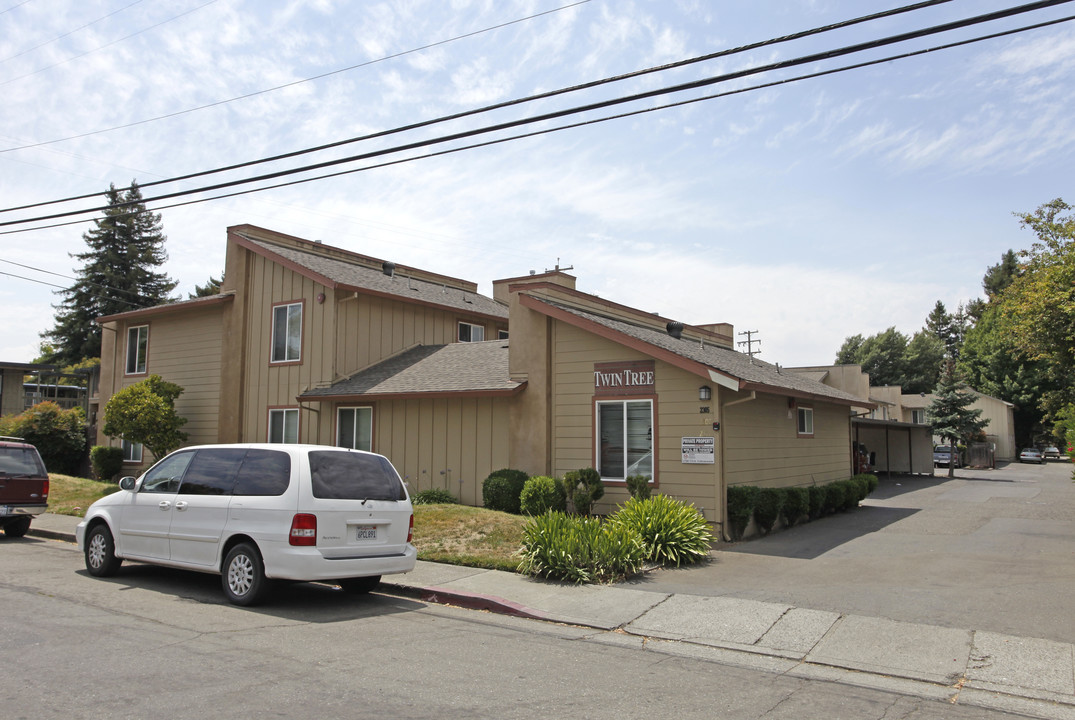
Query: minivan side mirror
[{"x": 127, "y": 483}]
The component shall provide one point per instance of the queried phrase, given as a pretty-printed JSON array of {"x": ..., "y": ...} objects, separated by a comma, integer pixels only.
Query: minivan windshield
[{"x": 338, "y": 475}]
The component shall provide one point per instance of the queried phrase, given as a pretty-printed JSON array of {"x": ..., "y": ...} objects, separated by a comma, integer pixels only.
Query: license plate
[{"x": 366, "y": 532}]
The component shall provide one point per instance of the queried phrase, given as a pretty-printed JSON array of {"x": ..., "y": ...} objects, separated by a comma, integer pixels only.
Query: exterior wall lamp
[{"x": 705, "y": 393}]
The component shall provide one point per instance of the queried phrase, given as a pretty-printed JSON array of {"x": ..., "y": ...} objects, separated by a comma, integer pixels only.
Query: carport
[{"x": 896, "y": 447}]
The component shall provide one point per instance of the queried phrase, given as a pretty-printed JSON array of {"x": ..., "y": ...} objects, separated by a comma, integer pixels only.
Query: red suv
[{"x": 24, "y": 486}]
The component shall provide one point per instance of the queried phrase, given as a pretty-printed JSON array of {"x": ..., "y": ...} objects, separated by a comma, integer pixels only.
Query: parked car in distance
[
  {"x": 1032, "y": 455},
  {"x": 942, "y": 455},
  {"x": 1051, "y": 452},
  {"x": 24, "y": 486},
  {"x": 254, "y": 513}
]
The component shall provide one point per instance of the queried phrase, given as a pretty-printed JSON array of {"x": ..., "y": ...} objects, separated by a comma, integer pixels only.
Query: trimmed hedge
[
  {"x": 107, "y": 462},
  {"x": 583, "y": 488},
  {"x": 59, "y": 435},
  {"x": 639, "y": 487},
  {"x": 793, "y": 504}
]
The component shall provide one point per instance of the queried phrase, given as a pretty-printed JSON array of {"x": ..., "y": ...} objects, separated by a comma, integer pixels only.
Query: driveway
[{"x": 989, "y": 549}]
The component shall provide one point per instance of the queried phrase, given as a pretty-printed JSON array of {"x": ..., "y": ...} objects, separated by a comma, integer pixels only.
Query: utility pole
[{"x": 750, "y": 342}]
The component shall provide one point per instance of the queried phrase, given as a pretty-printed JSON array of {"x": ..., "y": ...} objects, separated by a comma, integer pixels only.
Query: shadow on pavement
[{"x": 813, "y": 539}]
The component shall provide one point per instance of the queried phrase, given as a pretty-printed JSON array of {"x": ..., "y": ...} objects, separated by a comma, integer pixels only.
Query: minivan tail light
[
  {"x": 303, "y": 530},
  {"x": 410, "y": 530}
]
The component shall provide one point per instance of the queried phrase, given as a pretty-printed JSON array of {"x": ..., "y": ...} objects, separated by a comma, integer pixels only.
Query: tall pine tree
[
  {"x": 118, "y": 273},
  {"x": 950, "y": 413}
]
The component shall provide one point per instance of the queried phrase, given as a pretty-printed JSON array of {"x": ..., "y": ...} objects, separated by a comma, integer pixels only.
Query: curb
[{"x": 469, "y": 601}]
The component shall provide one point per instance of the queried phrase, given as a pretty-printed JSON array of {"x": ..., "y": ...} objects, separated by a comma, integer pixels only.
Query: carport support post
[{"x": 888, "y": 453}]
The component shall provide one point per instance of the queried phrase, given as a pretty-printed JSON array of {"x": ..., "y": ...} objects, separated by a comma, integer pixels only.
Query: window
[
  {"x": 354, "y": 428},
  {"x": 287, "y": 333},
  {"x": 137, "y": 345},
  {"x": 263, "y": 472},
  {"x": 918, "y": 417},
  {"x": 806, "y": 422},
  {"x": 625, "y": 437},
  {"x": 132, "y": 452},
  {"x": 164, "y": 477},
  {"x": 469, "y": 332},
  {"x": 501, "y": 334},
  {"x": 338, "y": 475},
  {"x": 284, "y": 425}
]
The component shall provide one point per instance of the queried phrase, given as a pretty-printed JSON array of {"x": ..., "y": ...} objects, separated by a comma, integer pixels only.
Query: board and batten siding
[
  {"x": 184, "y": 348},
  {"x": 676, "y": 415},
  {"x": 447, "y": 443},
  {"x": 762, "y": 446}
]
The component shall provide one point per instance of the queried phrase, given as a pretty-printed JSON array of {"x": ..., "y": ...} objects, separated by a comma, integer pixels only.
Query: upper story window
[
  {"x": 468, "y": 332},
  {"x": 806, "y": 422},
  {"x": 137, "y": 349},
  {"x": 918, "y": 417},
  {"x": 287, "y": 333},
  {"x": 501, "y": 334}
]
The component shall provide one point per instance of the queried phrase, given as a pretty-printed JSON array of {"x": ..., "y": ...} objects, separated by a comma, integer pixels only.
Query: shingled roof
[
  {"x": 735, "y": 369},
  {"x": 479, "y": 369},
  {"x": 338, "y": 273}
]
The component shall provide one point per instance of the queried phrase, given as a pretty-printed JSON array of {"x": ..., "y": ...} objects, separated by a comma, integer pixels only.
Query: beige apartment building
[{"x": 316, "y": 344}]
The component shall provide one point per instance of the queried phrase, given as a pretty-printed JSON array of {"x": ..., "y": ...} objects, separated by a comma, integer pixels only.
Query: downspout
[{"x": 722, "y": 489}]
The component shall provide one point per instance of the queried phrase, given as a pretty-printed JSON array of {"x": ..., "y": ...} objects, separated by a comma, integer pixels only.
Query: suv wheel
[
  {"x": 101, "y": 560},
  {"x": 17, "y": 528},
  {"x": 243, "y": 578}
]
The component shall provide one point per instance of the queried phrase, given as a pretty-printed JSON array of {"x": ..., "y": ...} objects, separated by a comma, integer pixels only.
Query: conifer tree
[
  {"x": 950, "y": 413},
  {"x": 119, "y": 273}
]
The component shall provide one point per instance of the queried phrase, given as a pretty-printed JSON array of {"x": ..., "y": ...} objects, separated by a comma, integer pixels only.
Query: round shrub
[
  {"x": 671, "y": 531},
  {"x": 834, "y": 498},
  {"x": 434, "y": 496},
  {"x": 542, "y": 494},
  {"x": 107, "y": 461},
  {"x": 579, "y": 549},
  {"x": 796, "y": 504},
  {"x": 741, "y": 499},
  {"x": 767, "y": 508},
  {"x": 501, "y": 490}
]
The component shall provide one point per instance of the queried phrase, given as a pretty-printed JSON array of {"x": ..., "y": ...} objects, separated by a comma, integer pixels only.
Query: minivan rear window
[{"x": 338, "y": 475}]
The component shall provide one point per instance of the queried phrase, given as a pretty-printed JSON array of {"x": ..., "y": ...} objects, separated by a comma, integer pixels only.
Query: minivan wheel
[
  {"x": 360, "y": 585},
  {"x": 17, "y": 528},
  {"x": 243, "y": 577},
  {"x": 101, "y": 560}
]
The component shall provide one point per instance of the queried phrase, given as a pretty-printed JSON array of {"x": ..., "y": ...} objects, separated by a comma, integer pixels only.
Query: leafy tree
[
  {"x": 211, "y": 287},
  {"x": 58, "y": 434},
  {"x": 882, "y": 356},
  {"x": 145, "y": 413},
  {"x": 950, "y": 413},
  {"x": 1039, "y": 305},
  {"x": 125, "y": 247},
  {"x": 922, "y": 363},
  {"x": 849, "y": 352}
]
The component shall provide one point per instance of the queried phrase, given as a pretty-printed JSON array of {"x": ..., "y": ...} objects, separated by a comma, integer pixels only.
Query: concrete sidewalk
[{"x": 1029, "y": 676}]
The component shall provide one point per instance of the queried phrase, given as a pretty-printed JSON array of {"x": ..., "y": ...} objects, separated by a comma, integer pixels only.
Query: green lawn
[{"x": 72, "y": 495}]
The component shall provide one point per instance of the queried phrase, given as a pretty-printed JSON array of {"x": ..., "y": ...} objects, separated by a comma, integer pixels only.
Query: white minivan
[{"x": 257, "y": 512}]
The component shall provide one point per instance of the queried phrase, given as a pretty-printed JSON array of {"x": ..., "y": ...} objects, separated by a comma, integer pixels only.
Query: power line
[
  {"x": 109, "y": 44},
  {"x": 518, "y": 101},
  {"x": 553, "y": 115},
  {"x": 71, "y": 32},
  {"x": 775, "y": 83},
  {"x": 300, "y": 82},
  {"x": 77, "y": 280}
]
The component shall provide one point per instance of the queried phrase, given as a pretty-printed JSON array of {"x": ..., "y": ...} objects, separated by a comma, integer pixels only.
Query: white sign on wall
[{"x": 698, "y": 451}]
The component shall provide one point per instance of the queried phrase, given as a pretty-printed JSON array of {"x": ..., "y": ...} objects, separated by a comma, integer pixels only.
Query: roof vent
[
  {"x": 388, "y": 268},
  {"x": 675, "y": 329}
]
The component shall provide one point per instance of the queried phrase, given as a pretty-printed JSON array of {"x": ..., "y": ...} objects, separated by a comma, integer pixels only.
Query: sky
[{"x": 807, "y": 211}]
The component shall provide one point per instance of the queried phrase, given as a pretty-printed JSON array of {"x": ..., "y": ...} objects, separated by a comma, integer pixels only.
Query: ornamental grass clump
[
  {"x": 672, "y": 532},
  {"x": 579, "y": 549}
]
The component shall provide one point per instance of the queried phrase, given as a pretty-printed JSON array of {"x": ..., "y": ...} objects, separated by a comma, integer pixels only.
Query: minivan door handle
[
  {"x": 180, "y": 505},
  {"x": 164, "y": 505}
]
